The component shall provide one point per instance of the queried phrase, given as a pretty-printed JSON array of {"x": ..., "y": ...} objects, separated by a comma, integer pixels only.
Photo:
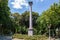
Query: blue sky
[{"x": 21, "y": 6}]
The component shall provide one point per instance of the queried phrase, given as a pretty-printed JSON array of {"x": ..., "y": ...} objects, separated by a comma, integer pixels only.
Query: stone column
[{"x": 30, "y": 30}]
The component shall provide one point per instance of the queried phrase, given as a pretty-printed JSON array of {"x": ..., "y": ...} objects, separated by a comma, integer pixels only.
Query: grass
[{"x": 26, "y": 37}]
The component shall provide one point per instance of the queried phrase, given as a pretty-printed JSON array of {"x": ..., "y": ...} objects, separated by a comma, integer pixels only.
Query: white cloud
[{"x": 19, "y": 3}]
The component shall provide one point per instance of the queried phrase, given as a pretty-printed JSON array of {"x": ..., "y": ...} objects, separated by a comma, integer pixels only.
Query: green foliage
[
  {"x": 7, "y": 26},
  {"x": 50, "y": 16},
  {"x": 25, "y": 18},
  {"x": 4, "y": 11},
  {"x": 4, "y": 17},
  {"x": 23, "y": 21},
  {"x": 26, "y": 37}
]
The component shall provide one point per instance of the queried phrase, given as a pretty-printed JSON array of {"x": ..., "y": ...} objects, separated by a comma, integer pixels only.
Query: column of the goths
[{"x": 30, "y": 30}]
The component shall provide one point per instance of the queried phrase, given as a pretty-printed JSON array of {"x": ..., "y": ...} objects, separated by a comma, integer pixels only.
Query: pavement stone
[{"x": 5, "y": 38}]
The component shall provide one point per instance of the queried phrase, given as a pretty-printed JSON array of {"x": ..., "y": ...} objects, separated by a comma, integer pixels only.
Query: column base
[{"x": 30, "y": 32}]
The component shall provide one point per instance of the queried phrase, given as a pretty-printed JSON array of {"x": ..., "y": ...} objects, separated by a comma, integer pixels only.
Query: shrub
[{"x": 26, "y": 37}]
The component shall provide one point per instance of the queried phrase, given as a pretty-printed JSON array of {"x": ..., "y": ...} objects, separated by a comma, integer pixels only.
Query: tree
[
  {"x": 4, "y": 11},
  {"x": 50, "y": 16},
  {"x": 16, "y": 17},
  {"x": 23, "y": 20},
  {"x": 5, "y": 21}
]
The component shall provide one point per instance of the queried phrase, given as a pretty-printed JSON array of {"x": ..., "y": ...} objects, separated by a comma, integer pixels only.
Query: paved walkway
[
  {"x": 5, "y": 38},
  {"x": 17, "y": 39},
  {"x": 53, "y": 39}
]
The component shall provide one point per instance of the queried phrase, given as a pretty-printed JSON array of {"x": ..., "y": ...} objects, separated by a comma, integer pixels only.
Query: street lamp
[
  {"x": 30, "y": 30},
  {"x": 57, "y": 32},
  {"x": 49, "y": 26}
]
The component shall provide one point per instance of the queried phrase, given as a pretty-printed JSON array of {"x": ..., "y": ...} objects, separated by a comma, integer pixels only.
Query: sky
[{"x": 20, "y": 6}]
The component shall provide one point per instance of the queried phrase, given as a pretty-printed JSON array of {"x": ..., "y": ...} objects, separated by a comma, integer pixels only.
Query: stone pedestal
[{"x": 30, "y": 32}]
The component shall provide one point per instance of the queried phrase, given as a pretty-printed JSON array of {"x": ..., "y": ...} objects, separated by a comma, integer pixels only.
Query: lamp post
[
  {"x": 49, "y": 31},
  {"x": 57, "y": 32},
  {"x": 30, "y": 30}
]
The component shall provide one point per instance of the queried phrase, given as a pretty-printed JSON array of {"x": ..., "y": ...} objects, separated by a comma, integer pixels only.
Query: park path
[
  {"x": 23, "y": 39},
  {"x": 53, "y": 39},
  {"x": 10, "y": 38},
  {"x": 17, "y": 39},
  {"x": 5, "y": 38}
]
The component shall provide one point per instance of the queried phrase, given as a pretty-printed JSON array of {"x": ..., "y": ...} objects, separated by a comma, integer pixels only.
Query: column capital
[{"x": 30, "y": 3}]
